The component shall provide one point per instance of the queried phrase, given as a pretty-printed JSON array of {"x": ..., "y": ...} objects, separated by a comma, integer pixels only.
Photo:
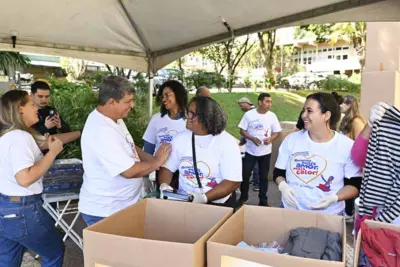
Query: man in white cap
[{"x": 245, "y": 105}]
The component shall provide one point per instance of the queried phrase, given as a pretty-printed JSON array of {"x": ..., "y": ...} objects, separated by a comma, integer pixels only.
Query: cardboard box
[
  {"x": 255, "y": 225},
  {"x": 153, "y": 232},
  {"x": 370, "y": 224}
]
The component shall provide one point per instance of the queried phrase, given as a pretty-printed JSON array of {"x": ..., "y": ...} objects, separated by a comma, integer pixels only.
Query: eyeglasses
[
  {"x": 191, "y": 114},
  {"x": 166, "y": 96}
]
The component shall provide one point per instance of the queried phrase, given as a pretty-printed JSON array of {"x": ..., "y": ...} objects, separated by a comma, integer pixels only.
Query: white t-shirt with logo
[
  {"x": 18, "y": 151},
  {"x": 260, "y": 126},
  {"x": 315, "y": 170},
  {"x": 107, "y": 151},
  {"x": 163, "y": 129},
  {"x": 218, "y": 158}
]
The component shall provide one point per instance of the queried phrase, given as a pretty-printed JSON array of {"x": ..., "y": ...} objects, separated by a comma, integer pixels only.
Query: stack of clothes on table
[{"x": 64, "y": 176}]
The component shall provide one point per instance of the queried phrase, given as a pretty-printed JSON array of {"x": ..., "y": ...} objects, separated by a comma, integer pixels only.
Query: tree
[
  {"x": 12, "y": 61},
  {"x": 74, "y": 67},
  {"x": 351, "y": 32},
  {"x": 227, "y": 55},
  {"x": 267, "y": 44},
  {"x": 119, "y": 71}
]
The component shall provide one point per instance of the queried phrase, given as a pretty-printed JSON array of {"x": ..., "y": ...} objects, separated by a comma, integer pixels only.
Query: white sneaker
[{"x": 348, "y": 219}]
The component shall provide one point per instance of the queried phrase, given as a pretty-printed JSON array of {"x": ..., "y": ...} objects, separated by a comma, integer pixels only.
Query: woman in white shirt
[
  {"x": 217, "y": 156},
  {"x": 313, "y": 164},
  {"x": 171, "y": 120},
  {"x": 23, "y": 221}
]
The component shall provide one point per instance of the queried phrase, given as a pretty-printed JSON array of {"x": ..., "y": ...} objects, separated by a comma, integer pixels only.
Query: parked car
[
  {"x": 164, "y": 75},
  {"x": 302, "y": 80}
]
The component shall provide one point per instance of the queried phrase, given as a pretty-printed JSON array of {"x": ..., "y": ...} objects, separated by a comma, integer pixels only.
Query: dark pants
[
  {"x": 349, "y": 209},
  {"x": 256, "y": 174},
  {"x": 24, "y": 224},
  {"x": 249, "y": 162}
]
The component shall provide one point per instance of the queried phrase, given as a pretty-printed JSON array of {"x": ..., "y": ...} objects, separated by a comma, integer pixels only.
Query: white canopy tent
[{"x": 146, "y": 35}]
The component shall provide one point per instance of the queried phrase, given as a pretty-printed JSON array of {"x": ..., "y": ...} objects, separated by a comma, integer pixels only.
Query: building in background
[{"x": 339, "y": 58}]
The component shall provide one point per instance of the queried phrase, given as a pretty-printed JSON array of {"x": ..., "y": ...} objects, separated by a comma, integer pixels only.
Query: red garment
[{"x": 381, "y": 246}]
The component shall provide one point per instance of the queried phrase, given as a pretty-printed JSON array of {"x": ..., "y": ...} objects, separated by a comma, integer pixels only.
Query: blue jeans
[
  {"x": 91, "y": 219},
  {"x": 24, "y": 224}
]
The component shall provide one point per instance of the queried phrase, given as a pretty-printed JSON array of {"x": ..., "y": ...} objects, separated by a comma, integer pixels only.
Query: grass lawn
[{"x": 285, "y": 105}]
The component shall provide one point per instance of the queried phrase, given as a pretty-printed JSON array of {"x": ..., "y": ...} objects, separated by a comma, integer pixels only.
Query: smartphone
[
  {"x": 177, "y": 196},
  {"x": 52, "y": 113}
]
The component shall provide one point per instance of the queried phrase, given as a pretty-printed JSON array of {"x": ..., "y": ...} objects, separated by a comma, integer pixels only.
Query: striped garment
[{"x": 381, "y": 183}]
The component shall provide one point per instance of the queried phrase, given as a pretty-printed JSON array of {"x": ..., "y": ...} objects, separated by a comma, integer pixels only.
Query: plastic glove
[
  {"x": 288, "y": 194},
  {"x": 165, "y": 187},
  {"x": 199, "y": 198},
  {"x": 325, "y": 202},
  {"x": 376, "y": 113}
]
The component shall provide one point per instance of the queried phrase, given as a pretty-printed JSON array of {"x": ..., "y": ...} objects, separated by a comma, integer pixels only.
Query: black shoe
[{"x": 256, "y": 188}]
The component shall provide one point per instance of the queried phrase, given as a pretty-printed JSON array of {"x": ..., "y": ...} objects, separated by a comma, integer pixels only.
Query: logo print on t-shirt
[
  {"x": 186, "y": 168},
  {"x": 129, "y": 140},
  {"x": 307, "y": 169},
  {"x": 326, "y": 187},
  {"x": 166, "y": 136}
]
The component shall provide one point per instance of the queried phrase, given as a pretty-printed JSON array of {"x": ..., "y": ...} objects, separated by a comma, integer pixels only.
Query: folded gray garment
[
  {"x": 333, "y": 250},
  {"x": 314, "y": 243}
]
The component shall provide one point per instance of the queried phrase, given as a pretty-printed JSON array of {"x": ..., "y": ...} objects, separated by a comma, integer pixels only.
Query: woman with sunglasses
[
  {"x": 207, "y": 157},
  {"x": 170, "y": 121}
]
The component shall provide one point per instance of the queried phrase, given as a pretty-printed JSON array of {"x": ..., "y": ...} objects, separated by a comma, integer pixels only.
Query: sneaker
[
  {"x": 256, "y": 189},
  {"x": 348, "y": 219}
]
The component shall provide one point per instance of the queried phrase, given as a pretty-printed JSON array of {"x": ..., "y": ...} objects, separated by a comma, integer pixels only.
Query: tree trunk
[{"x": 267, "y": 51}]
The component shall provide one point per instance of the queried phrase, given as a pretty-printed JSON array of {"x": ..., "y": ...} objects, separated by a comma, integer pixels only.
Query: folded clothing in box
[
  {"x": 314, "y": 243},
  {"x": 65, "y": 175}
]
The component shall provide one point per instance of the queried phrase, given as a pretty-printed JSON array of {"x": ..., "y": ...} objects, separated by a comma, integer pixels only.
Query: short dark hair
[
  {"x": 262, "y": 96},
  {"x": 210, "y": 114},
  {"x": 39, "y": 85},
  {"x": 327, "y": 102},
  {"x": 181, "y": 96},
  {"x": 114, "y": 87}
]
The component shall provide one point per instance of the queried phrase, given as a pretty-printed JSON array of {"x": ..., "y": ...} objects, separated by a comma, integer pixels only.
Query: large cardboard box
[
  {"x": 370, "y": 224},
  {"x": 255, "y": 225},
  {"x": 154, "y": 232}
]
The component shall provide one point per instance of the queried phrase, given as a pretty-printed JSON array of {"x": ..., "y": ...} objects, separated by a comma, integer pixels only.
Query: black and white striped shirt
[{"x": 381, "y": 183}]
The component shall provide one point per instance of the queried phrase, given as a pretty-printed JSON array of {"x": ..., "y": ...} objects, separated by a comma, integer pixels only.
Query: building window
[
  {"x": 345, "y": 57},
  {"x": 338, "y": 48},
  {"x": 338, "y": 57},
  {"x": 319, "y": 50},
  {"x": 330, "y": 49},
  {"x": 324, "y": 50},
  {"x": 345, "y": 48},
  {"x": 329, "y": 57},
  {"x": 336, "y": 72}
]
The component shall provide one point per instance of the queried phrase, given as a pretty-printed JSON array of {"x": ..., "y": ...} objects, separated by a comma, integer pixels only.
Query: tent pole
[{"x": 150, "y": 75}]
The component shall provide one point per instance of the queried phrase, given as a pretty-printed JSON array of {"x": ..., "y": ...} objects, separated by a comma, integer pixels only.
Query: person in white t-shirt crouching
[
  {"x": 314, "y": 170},
  {"x": 170, "y": 121},
  {"x": 260, "y": 127},
  {"x": 113, "y": 165},
  {"x": 217, "y": 156},
  {"x": 24, "y": 224}
]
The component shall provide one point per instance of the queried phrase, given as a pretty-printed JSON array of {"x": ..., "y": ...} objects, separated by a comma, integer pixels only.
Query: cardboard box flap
[
  {"x": 234, "y": 226},
  {"x": 128, "y": 222},
  {"x": 120, "y": 251},
  {"x": 185, "y": 223}
]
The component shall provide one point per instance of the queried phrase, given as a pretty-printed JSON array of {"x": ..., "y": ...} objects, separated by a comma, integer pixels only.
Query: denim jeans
[
  {"x": 91, "y": 219},
  {"x": 24, "y": 224},
  {"x": 249, "y": 162}
]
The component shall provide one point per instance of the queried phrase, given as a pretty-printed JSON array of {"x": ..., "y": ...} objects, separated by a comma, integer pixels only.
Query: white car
[{"x": 303, "y": 80}]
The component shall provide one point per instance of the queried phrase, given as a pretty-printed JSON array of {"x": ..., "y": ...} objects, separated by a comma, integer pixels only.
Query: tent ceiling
[{"x": 130, "y": 32}]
